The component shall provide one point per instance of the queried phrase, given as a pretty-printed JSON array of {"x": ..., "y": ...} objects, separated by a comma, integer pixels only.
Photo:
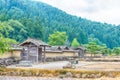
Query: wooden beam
[
  {"x": 44, "y": 53},
  {"x": 37, "y": 54},
  {"x": 27, "y": 52}
]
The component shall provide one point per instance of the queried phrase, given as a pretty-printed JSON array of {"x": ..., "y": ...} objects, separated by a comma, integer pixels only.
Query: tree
[
  {"x": 116, "y": 50},
  {"x": 2, "y": 45},
  {"x": 58, "y": 38},
  {"x": 19, "y": 33},
  {"x": 105, "y": 50},
  {"x": 93, "y": 39},
  {"x": 93, "y": 48},
  {"x": 75, "y": 43},
  {"x": 33, "y": 19},
  {"x": 5, "y": 44},
  {"x": 5, "y": 28}
]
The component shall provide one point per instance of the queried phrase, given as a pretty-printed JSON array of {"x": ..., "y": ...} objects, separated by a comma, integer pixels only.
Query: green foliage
[
  {"x": 10, "y": 41},
  {"x": 5, "y": 29},
  {"x": 93, "y": 48},
  {"x": 19, "y": 33},
  {"x": 58, "y": 38},
  {"x": 5, "y": 44},
  {"x": 75, "y": 43},
  {"x": 105, "y": 50},
  {"x": 13, "y": 29},
  {"x": 116, "y": 50},
  {"x": 93, "y": 39},
  {"x": 28, "y": 18}
]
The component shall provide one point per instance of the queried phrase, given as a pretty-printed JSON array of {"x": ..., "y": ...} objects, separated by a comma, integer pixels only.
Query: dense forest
[{"x": 21, "y": 19}]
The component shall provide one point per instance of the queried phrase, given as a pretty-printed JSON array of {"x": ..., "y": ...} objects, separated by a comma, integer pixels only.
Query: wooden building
[
  {"x": 37, "y": 51},
  {"x": 13, "y": 52},
  {"x": 60, "y": 51},
  {"x": 33, "y": 50},
  {"x": 81, "y": 51}
]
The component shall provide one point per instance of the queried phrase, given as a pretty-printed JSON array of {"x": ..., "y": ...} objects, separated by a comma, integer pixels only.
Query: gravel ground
[
  {"x": 106, "y": 66},
  {"x": 47, "y": 65},
  {"x": 44, "y": 78},
  {"x": 51, "y": 65},
  {"x": 32, "y": 78}
]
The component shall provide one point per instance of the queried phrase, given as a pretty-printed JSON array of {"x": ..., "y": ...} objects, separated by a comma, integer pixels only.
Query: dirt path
[
  {"x": 105, "y": 66},
  {"x": 82, "y": 65},
  {"x": 44, "y": 78}
]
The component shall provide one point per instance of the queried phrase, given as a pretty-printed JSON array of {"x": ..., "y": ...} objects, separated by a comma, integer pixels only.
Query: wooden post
[
  {"x": 44, "y": 53},
  {"x": 27, "y": 52},
  {"x": 37, "y": 53}
]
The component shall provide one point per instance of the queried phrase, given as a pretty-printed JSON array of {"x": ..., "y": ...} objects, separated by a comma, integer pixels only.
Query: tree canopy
[
  {"x": 30, "y": 18},
  {"x": 116, "y": 50},
  {"x": 93, "y": 48},
  {"x": 75, "y": 43},
  {"x": 58, "y": 38},
  {"x": 5, "y": 44}
]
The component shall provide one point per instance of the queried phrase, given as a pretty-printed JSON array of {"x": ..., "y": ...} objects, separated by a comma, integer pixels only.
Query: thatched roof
[
  {"x": 80, "y": 48},
  {"x": 34, "y": 41},
  {"x": 61, "y": 48}
]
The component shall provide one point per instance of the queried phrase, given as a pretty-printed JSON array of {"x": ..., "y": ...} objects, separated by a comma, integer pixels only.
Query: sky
[{"x": 106, "y": 11}]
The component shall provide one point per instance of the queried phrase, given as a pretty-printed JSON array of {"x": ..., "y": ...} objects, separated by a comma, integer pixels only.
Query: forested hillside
[{"x": 27, "y": 18}]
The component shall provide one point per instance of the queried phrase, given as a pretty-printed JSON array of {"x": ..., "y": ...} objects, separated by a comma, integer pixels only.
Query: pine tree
[{"x": 75, "y": 43}]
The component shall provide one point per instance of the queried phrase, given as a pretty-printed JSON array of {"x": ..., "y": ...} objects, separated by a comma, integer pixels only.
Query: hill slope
[{"x": 38, "y": 20}]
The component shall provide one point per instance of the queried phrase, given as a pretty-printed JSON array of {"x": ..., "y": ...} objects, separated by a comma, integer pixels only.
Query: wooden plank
[{"x": 37, "y": 55}]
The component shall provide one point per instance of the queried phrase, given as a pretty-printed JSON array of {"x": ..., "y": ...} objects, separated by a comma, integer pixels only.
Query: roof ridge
[{"x": 35, "y": 41}]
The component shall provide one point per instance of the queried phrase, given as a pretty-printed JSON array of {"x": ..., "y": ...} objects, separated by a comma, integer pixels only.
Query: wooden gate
[
  {"x": 30, "y": 53},
  {"x": 24, "y": 54},
  {"x": 40, "y": 54}
]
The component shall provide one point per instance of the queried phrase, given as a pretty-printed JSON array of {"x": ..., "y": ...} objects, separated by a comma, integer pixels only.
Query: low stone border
[
  {"x": 8, "y": 61},
  {"x": 66, "y": 58}
]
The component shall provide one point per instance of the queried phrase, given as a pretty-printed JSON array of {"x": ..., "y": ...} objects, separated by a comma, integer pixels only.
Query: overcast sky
[{"x": 97, "y": 10}]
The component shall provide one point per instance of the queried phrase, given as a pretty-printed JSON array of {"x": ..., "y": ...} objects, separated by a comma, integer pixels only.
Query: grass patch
[{"x": 58, "y": 73}]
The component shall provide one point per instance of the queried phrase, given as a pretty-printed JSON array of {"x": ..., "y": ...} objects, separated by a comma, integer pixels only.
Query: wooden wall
[
  {"x": 17, "y": 54},
  {"x": 14, "y": 53},
  {"x": 60, "y": 54}
]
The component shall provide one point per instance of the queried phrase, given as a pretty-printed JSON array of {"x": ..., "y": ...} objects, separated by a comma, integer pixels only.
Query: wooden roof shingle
[{"x": 34, "y": 41}]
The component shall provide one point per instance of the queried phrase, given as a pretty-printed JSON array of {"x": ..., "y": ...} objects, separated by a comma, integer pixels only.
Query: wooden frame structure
[{"x": 33, "y": 50}]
